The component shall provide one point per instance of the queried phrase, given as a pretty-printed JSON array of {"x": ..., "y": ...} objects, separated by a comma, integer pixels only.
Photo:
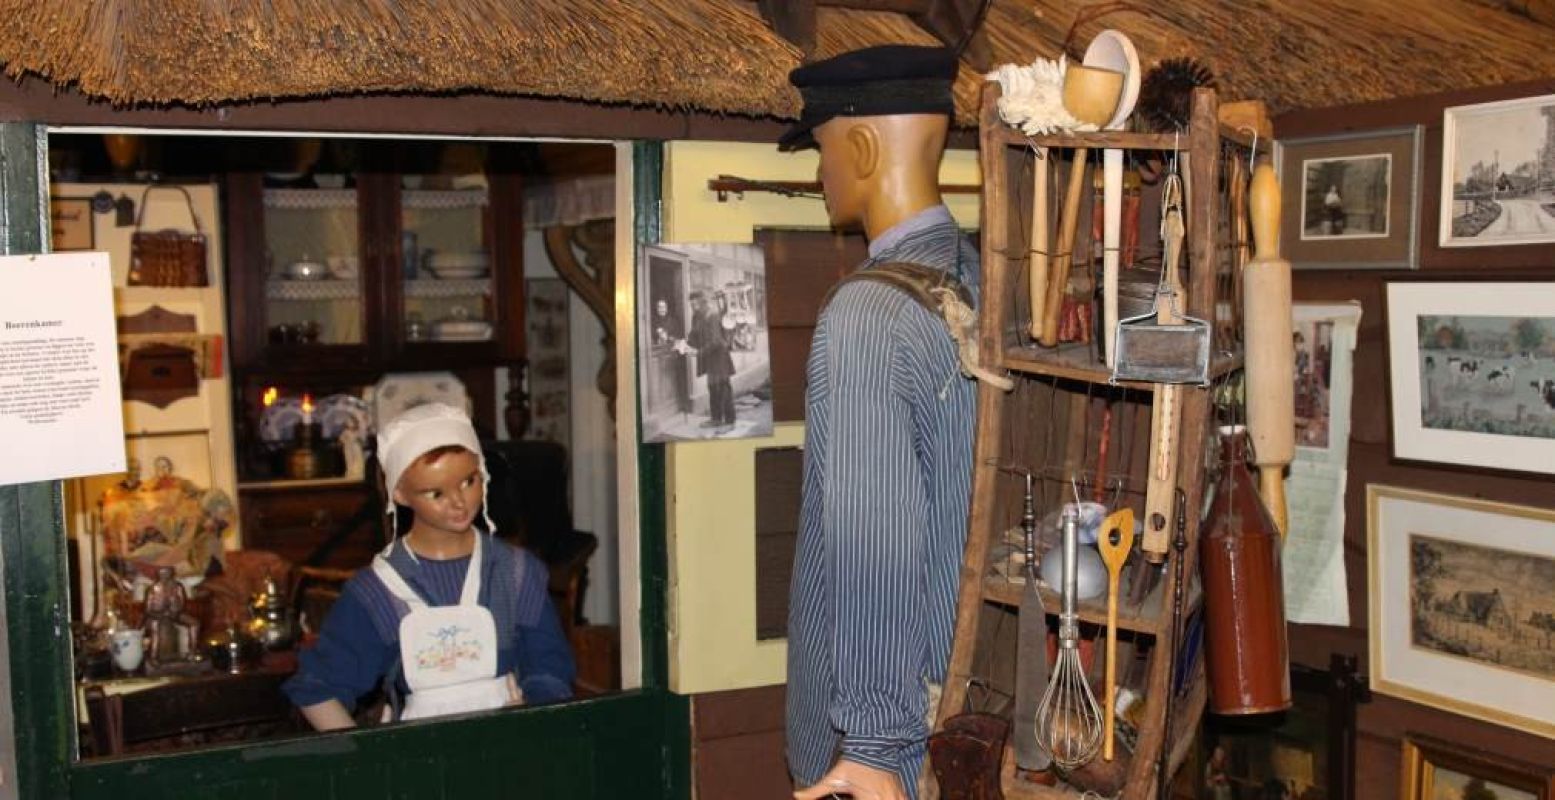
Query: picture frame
[
  {"x": 70, "y": 220},
  {"x": 1351, "y": 200},
  {"x": 548, "y": 342},
  {"x": 1472, "y": 373},
  {"x": 1309, "y": 749},
  {"x": 1493, "y": 155},
  {"x": 1460, "y": 609},
  {"x": 1432, "y": 768}
]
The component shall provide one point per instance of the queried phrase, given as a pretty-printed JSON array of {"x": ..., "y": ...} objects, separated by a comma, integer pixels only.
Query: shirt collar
[{"x": 928, "y": 218}]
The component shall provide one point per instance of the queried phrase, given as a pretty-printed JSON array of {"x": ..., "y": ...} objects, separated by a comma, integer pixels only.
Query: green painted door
[{"x": 634, "y": 745}]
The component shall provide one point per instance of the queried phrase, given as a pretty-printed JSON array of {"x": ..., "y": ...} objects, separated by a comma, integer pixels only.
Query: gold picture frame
[
  {"x": 1459, "y": 605},
  {"x": 1430, "y": 765},
  {"x": 70, "y": 220}
]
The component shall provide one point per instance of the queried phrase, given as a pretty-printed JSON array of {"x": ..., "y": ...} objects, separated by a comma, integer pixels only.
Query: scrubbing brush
[{"x": 1166, "y": 94}]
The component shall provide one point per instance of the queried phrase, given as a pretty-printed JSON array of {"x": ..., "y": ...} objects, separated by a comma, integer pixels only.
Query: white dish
[
  {"x": 458, "y": 273},
  {"x": 306, "y": 271},
  {"x": 461, "y": 330},
  {"x": 446, "y": 261}
]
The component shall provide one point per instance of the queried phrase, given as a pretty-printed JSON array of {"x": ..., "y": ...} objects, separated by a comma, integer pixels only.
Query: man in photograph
[{"x": 709, "y": 339}]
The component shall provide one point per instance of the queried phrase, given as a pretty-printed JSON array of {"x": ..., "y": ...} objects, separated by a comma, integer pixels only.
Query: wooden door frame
[{"x": 617, "y": 746}]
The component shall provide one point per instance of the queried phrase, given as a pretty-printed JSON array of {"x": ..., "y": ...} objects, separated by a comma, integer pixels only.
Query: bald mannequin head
[{"x": 877, "y": 171}]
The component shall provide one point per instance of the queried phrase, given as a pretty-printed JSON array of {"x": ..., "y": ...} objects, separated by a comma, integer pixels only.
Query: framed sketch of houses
[
  {"x": 1462, "y": 618},
  {"x": 1472, "y": 373},
  {"x": 1350, "y": 201},
  {"x": 1498, "y": 173}
]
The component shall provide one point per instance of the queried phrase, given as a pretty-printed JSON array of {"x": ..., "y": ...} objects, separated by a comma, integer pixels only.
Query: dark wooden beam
[
  {"x": 793, "y": 20},
  {"x": 951, "y": 21}
]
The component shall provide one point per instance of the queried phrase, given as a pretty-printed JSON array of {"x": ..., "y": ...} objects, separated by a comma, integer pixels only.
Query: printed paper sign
[{"x": 60, "y": 412}]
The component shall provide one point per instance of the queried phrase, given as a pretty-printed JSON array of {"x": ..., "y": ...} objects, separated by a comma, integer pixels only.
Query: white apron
[{"x": 449, "y": 653}]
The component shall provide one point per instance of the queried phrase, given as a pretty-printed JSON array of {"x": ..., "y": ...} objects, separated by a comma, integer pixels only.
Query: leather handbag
[{"x": 169, "y": 257}]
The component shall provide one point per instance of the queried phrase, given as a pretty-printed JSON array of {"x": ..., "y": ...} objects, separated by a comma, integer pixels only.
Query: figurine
[
  {"x": 351, "y": 450},
  {"x": 165, "y": 618}
]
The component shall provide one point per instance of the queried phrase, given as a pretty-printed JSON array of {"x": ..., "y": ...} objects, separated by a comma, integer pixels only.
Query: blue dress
[{"x": 359, "y": 642}]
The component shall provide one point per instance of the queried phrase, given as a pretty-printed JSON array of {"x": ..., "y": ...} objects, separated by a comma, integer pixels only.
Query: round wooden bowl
[{"x": 1091, "y": 94}]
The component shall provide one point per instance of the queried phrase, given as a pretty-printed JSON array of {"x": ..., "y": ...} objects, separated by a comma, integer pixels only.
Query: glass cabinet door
[
  {"x": 445, "y": 242},
  {"x": 313, "y": 281}
]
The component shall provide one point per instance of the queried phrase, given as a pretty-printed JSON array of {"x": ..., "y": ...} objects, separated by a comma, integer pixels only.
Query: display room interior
[{"x": 886, "y": 399}]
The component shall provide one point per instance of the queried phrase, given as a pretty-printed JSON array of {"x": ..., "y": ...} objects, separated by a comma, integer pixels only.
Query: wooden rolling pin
[
  {"x": 1266, "y": 335},
  {"x": 1039, "y": 243},
  {"x": 1058, "y": 276}
]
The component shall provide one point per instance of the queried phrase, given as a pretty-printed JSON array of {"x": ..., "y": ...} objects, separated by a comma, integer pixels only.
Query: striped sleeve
[{"x": 876, "y": 509}]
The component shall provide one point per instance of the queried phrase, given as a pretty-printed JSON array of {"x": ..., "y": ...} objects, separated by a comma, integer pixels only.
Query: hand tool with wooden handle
[
  {"x": 1166, "y": 411},
  {"x": 1114, "y": 552},
  {"x": 1039, "y": 242},
  {"x": 1058, "y": 273},
  {"x": 1112, "y": 229},
  {"x": 1031, "y": 670},
  {"x": 1269, "y": 356}
]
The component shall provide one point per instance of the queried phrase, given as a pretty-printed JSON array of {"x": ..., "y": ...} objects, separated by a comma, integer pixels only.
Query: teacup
[{"x": 128, "y": 648}]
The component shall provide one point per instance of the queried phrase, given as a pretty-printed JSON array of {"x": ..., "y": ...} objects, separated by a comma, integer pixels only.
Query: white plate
[{"x": 458, "y": 273}]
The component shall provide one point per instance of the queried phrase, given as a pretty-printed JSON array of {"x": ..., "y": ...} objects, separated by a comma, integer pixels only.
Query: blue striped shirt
[{"x": 887, "y": 480}]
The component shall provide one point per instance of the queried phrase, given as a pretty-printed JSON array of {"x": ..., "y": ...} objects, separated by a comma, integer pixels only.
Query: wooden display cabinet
[{"x": 347, "y": 278}]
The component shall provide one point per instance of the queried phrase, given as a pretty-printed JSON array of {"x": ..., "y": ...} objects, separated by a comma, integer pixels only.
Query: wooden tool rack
[{"x": 1052, "y": 425}]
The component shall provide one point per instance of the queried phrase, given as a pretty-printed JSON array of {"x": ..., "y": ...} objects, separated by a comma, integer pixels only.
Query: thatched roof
[{"x": 720, "y": 56}]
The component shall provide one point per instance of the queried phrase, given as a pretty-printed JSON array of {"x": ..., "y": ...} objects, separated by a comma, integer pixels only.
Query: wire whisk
[{"x": 1069, "y": 720}]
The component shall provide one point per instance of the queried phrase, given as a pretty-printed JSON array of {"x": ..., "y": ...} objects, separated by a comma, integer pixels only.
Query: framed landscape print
[
  {"x": 1498, "y": 173},
  {"x": 1473, "y": 373},
  {"x": 1437, "y": 770},
  {"x": 1462, "y": 616},
  {"x": 1350, "y": 201}
]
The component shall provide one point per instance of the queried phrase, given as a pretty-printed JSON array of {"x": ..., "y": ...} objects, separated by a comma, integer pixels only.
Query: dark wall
[{"x": 1385, "y": 720}]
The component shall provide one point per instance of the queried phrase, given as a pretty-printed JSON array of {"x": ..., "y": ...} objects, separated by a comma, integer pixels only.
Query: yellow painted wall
[
  {"x": 711, "y": 484},
  {"x": 693, "y": 213}
]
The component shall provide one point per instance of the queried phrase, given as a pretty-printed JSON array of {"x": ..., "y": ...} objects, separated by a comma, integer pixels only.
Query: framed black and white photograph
[
  {"x": 1473, "y": 373},
  {"x": 705, "y": 367},
  {"x": 1462, "y": 618},
  {"x": 549, "y": 347},
  {"x": 71, "y": 221},
  {"x": 1350, "y": 200},
  {"x": 1498, "y": 173}
]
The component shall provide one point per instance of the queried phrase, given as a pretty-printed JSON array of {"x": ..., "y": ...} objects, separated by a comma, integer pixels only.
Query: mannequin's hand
[{"x": 857, "y": 781}]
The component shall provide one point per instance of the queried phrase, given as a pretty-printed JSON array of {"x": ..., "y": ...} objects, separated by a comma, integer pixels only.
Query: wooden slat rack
[{"x": 1049, "y": 425}]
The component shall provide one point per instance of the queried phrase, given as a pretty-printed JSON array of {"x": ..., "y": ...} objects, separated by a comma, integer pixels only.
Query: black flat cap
[{"x": 889, "y": 79}]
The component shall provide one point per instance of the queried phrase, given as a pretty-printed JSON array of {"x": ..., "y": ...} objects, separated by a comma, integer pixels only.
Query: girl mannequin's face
[{"x": 444, "y": 494}]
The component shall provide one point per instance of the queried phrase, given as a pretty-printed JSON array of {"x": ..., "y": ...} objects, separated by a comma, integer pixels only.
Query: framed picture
[
  {"x": 1498, "y": 173},
  {"x": 1435, "y": 769},
  {"x": 1350, "y": 201},
  {"x": 1306, "y": 752},
  {"x": 1462, "y": 617},
  {"x": 71, "y": 221},
  {"x": 1473, "y": 373},
  {"x": 549, "y": 346}
]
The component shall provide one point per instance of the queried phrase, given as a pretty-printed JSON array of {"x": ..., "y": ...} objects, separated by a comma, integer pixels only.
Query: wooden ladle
[{"x": 1114, "y": 552}]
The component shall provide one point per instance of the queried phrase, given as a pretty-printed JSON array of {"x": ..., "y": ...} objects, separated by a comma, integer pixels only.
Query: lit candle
[
  {"x": 307, "y": 409},
  {"x": 269, "y": 396}
]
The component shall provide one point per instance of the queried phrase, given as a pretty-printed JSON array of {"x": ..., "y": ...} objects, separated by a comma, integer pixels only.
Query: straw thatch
[
  {"x": 720, "y": 56},
  {"x": 702, "y": 54}
]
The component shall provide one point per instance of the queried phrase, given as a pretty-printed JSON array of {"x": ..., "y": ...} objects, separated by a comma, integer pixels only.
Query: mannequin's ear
[
  {"x": 399, "y": 497},
  {"x": 863, "y": 150}
]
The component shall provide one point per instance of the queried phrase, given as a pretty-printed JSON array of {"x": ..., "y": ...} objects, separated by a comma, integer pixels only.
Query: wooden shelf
[
  {"x": 1075, "y": 362},
  {"x": 1151, "y": 616},
  {"x": 1119, "y": 140}
]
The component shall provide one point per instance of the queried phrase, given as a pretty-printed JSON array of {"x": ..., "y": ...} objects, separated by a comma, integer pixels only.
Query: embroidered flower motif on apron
[{"x": 449, "y": 653}]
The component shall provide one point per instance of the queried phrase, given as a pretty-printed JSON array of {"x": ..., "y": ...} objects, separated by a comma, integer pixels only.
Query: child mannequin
[{"x": 461, "y": 618}]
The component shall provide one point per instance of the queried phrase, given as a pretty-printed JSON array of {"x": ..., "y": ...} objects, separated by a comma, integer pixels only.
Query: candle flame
[
  {"x": 307, "y": 404},
  {"x": 269, "y": 396}
]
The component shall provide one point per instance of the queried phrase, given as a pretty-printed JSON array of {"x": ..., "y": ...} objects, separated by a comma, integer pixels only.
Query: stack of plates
[{"x": 457, "y": 266}]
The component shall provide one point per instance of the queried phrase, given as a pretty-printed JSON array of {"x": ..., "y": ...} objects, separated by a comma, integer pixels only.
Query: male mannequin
[{"x": 889, "y": 421}]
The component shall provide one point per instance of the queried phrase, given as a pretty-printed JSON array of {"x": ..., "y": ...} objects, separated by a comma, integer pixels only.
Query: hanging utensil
[
  {"x": 1031, "y": 671},
  {"x": 1112, "y": 50},
  {"x": 1068, "y": 720},
  {"x": 1039, "y": 242},
  {"x": 1115, "y": 542},
  {"x": 1169, "y": 647},
  {"x": 1266, "y": 335}
]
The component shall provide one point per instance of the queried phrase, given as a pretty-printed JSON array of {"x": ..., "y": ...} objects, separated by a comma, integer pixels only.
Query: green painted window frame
[{"x": 618, "y": 746}]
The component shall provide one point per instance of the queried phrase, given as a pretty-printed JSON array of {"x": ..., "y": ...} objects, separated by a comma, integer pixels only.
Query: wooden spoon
[{"x": 1114, "y": 552}]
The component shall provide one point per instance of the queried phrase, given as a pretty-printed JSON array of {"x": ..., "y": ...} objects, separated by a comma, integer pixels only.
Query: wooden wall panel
[
  {"x": 738, "y": 744},
  {"x": 1385, "y": 721},
  {"x": 802, "y": 266}
]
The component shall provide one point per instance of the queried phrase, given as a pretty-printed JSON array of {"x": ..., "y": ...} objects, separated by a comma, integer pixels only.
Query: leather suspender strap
[{"x": 914, "y": 280}]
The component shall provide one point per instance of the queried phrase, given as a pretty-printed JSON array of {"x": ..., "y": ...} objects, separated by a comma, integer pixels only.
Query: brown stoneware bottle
[{"x": 1244, "y": 597}]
